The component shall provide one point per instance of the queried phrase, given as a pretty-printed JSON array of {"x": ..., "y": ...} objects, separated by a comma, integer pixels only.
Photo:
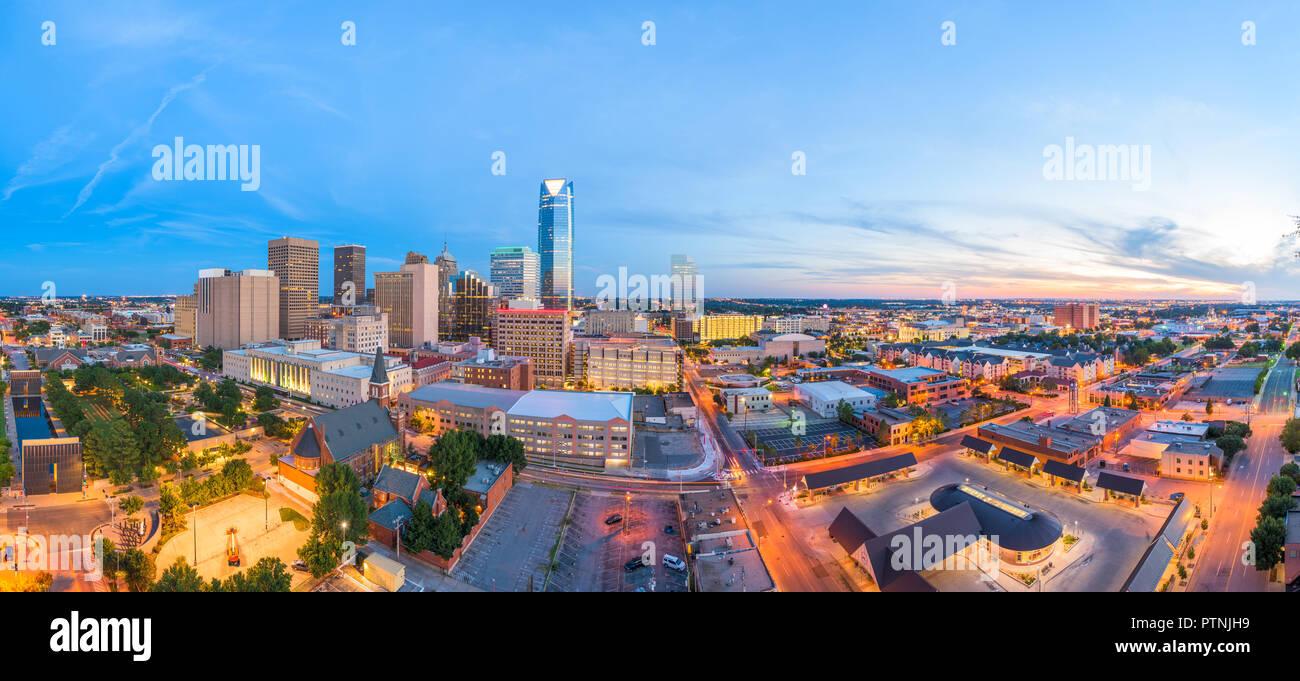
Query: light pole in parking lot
[
  {"x": 266, "y": 505},
  {"x": 194, "y": 529},
  {"x": 627, "y": 512}
]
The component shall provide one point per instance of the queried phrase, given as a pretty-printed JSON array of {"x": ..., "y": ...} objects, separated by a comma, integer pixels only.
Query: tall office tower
[
  {"x": 410, "y": 298},
  {"x": 475, "y": 301},
  {"x": 1079, "y": 316},
  {"x": 555, "y": 243},
  {"x": 516, "y": 272},
  {"x": 684, "y": 277},
  {"x": 542, "y": 335},
  {"x": 236, "y": 308},
  {"x": 350, "y": 266},
  {"x": 447, "y": 270},
  {"x": 296, "y": 262},
  {"x": 185, "y": 315}
]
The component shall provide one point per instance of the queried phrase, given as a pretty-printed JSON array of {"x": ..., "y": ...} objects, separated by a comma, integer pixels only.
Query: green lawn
[
  {"x": 299, "y": 521},
  {"x": 97, "y": 409}
]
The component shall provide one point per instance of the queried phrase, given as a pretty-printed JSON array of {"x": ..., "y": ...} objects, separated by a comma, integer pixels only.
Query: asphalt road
[
  {"x": 794, "y": 565},
  {"x": 1220, "y": 563},
  {"x": 76, "y": 518}
]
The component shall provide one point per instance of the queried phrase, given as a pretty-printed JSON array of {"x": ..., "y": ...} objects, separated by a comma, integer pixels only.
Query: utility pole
[{"x": 194, "y": 530}]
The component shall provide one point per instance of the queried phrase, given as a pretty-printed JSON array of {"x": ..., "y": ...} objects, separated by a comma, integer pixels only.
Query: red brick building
[{"x": 361, "y": 436}]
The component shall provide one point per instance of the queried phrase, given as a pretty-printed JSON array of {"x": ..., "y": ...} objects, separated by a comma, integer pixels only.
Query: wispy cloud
[
  {"x": 46, "y": 156},
  {"x": 136, "y": 134}
]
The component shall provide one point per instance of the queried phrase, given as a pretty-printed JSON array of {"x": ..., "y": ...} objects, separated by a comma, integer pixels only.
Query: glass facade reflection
[{"x": 555, "y": 243}]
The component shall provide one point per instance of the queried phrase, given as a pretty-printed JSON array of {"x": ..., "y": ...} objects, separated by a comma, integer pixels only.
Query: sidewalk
[{"x": 421, "y": 576}]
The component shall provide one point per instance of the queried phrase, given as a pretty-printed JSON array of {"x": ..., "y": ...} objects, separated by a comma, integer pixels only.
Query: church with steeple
[{"x": 380, "y": 387}]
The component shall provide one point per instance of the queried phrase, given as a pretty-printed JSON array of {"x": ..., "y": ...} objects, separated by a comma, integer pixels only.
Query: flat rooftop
[
  {"x": 908, "y": 374},
  {"x": 832, "y": 391}
]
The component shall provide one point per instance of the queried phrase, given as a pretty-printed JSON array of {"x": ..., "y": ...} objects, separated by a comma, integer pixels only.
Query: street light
[
  {"x": 194, "y": 529},
  {"x": 266, "y": 505}
]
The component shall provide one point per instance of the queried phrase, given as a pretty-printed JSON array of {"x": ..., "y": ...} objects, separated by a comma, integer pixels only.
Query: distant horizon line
[{"x": 794, "y": 299}]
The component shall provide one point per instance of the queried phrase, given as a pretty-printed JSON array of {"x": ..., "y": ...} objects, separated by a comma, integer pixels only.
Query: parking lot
[
  {"x": 788, "y": 445},
  {"x": 517, "y": 541},
  {"x": 595, "y": 551},
  {"x": 1234, "y": 383},
  {"x": 663, "y": 451}
]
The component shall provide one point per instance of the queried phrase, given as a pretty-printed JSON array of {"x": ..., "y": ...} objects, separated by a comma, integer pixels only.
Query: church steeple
[{"x": 380, "y": 386}]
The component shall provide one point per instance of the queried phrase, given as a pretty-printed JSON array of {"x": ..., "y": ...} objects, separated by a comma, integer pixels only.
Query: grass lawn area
[
  {"x": 299, "y": 521},
  {"x": 98, "y": 410}
]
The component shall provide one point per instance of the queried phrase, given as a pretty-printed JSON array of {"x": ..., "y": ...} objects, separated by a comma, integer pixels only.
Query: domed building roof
[{"x": 791, "y": 337}]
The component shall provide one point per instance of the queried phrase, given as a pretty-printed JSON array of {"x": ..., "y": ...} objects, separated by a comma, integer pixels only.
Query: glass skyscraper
[
  {"x": 685, "y": 280},
  {"x": 555, "y": 243},
  {"x": 515, "y": 272}
]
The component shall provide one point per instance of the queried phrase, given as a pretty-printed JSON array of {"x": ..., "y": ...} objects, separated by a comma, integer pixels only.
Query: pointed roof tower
[{"x": 379, "y": 375}]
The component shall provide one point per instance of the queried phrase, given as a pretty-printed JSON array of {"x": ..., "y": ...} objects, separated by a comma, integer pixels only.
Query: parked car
[
  {"x": 634, "y": 563},
  {"x": 674, "y": 563},
  {"x": 668, "y": 529},
  {"x": 300, "y": 565},
  {"x": 616, "y": 518}
]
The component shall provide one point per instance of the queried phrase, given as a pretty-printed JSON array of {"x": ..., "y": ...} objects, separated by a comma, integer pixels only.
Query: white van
[{"x": 674, "y": 563}]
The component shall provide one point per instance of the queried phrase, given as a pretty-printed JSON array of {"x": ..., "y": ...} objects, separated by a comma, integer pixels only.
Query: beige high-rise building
[
  {"x": 410, "y": 299},
  {"x": 628, "y": 363},
  {"x": 185, "y": 315},
  {"x": 359, "y": 333},
  {"x": 296, "y": 262},
  {"x": 236, "y": 308},
  {"x": 543, "y": 335}
]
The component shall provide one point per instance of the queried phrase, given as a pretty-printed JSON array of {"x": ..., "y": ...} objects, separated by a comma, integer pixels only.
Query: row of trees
[
  {"x": 1253, "y": 348},
  {"x": 210, "y": 359},
  {"x": 125, "y": 447},
  {"x": 113, "y": 381},
  {"x": 174, "y": 500},
  {"x": 1232, "y": 439},
  {"x": 266, "y": 575},
  {"x": 6, "y": 461},
  {"x": 455, "y": 454},
  {"x": 135, "y": 570},
  {"x": 1140, "y": 351},
  {"x": 1290, "y": 436},
  {"x": 1269, "y": 534},
  {"x": 339, "y": 520},
  {"x": 225, "y": 399},
  {"x": 281, "y": 429},
  {"x": 453, "y": 458}
]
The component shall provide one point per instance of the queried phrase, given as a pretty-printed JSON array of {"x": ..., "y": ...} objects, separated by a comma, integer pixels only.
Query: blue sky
[{"x": 924, "y": 162}]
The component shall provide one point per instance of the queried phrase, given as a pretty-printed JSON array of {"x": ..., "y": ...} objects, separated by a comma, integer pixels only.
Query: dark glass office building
[
  {"x": 555, "y": 243},
  {"x": 350, "y": 266}
]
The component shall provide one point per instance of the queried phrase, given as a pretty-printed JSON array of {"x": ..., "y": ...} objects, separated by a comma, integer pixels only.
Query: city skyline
[{"x": 896, "y": 201}]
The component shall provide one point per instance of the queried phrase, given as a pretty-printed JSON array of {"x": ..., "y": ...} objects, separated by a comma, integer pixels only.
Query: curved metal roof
[{"x": 1025, "y": 529}]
